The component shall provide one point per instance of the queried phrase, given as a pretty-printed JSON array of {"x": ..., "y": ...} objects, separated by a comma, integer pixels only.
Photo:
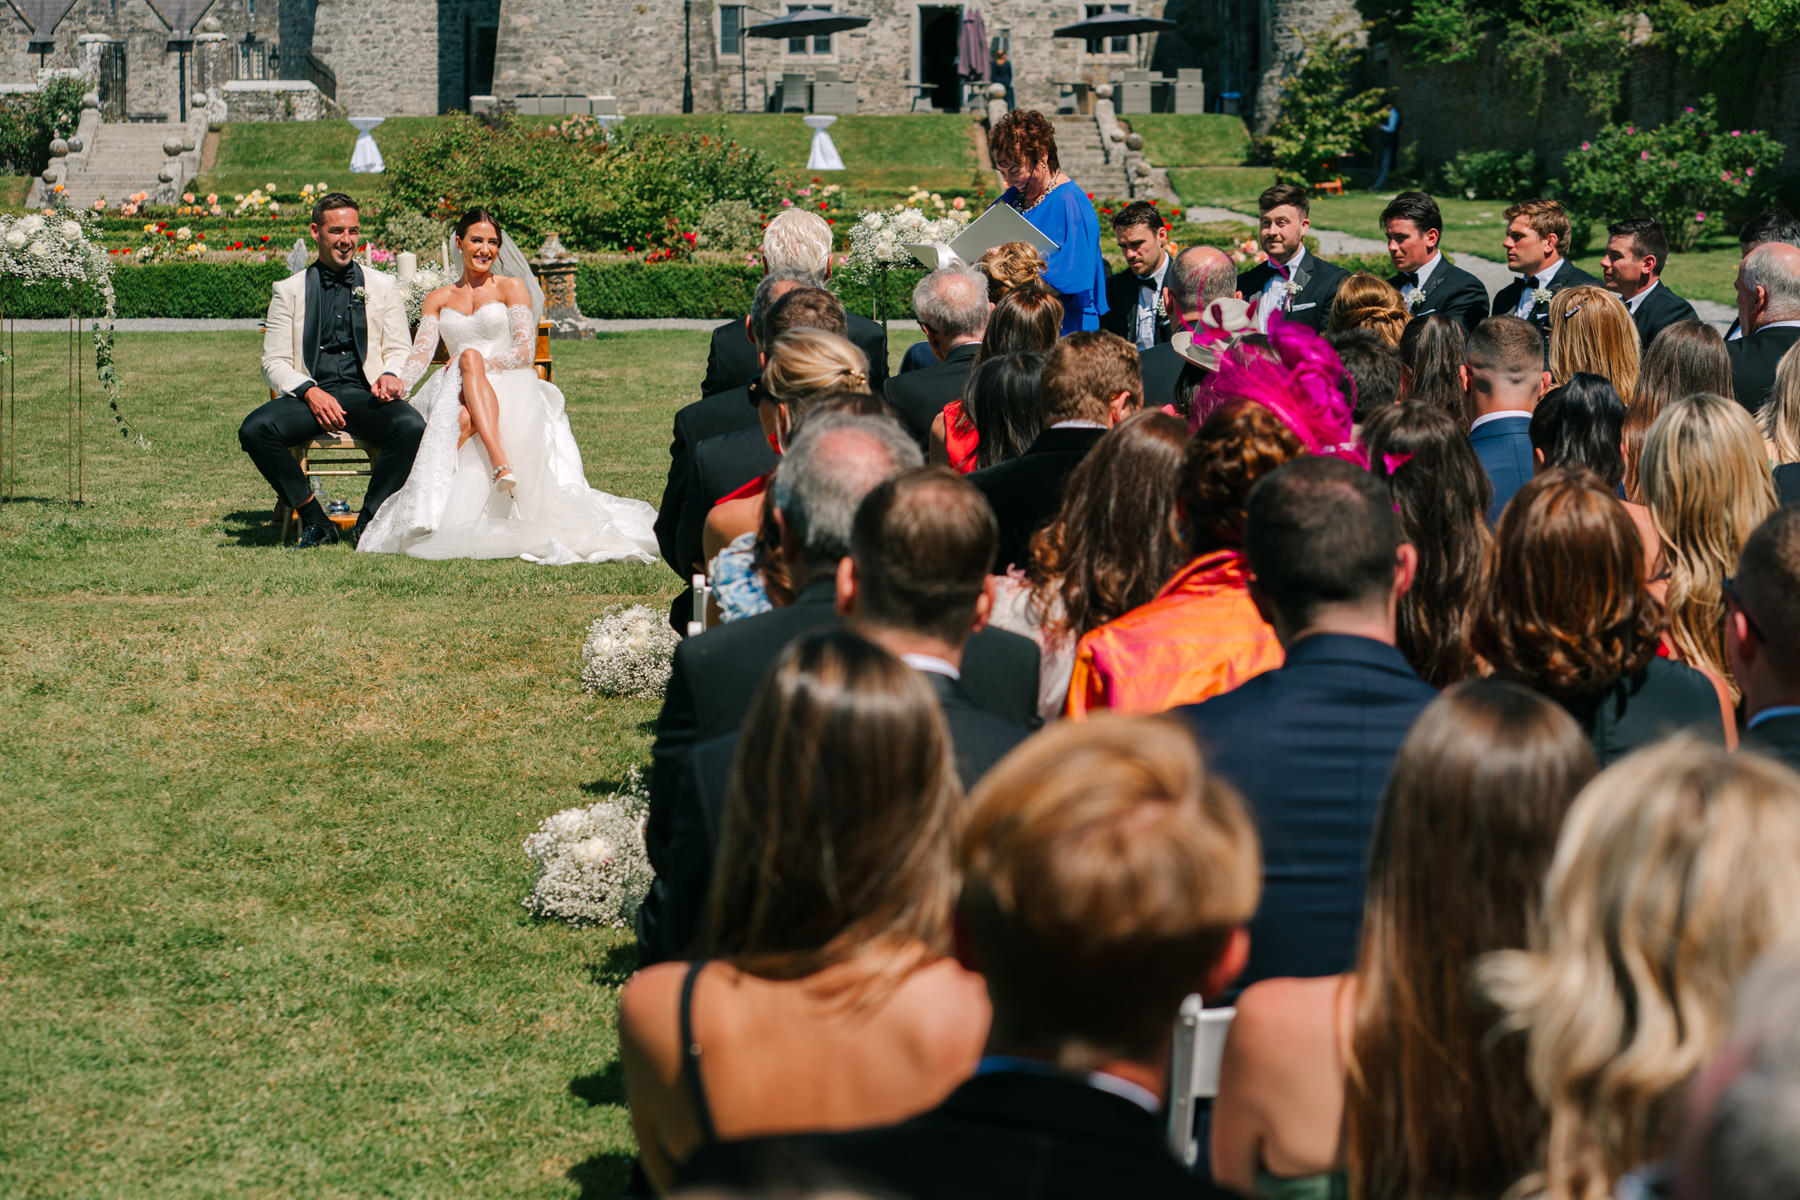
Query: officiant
[{"x": 1023, "y": 145}]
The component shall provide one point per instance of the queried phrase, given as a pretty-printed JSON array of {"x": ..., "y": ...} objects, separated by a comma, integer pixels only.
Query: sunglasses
[{"x": 1735, "y": 600}]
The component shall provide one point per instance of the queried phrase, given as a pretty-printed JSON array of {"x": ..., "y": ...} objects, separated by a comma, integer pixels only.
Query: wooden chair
[
  {"x": 339, "y": 455},
  {"x": 1199, "y": 1047},
  {"x": 1331, "y": 187}
]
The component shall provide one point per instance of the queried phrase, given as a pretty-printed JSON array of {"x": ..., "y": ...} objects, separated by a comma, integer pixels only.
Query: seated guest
[
  {"x": 1762, "y": 634},
  {"x": 1768, "y": 304},
  {"x": 1536, "y": 245},
  {"x": 1367, "y": 303},
  {"x": 1090, "y": 384},
  {"x": 1290, "y": 281},
  {"x": 1203, "y": 277},
  {"x": 914, "y": 584},
  {"x": 796, "y": 244},
  {"x": 1371, "y": 370},
  {"x": 1779, "y": 419},
  {"x": 1310, "y": 743},
  {"x": 1441, "y": 499},
  {"x": 1706, "y": 484},
  {"x": 1112, "y": 545},
  {"x": 1432, "y": 352},
  {"x": 1591, "y": 331},
  {"x": 1200, "y": 635},
  {"x": 1135, "y": 309},
  {"x": 1428, "y": 282},
  {"x": 1221, "y": 326},
  {"x": 1432, "y": 1107},
  {"x": 1011, "y": 266},
  {"x": 952, "y": 307},
  {"x": 1686, "y": 358},
  {"x": 1023, "y": 321},
  {"x": 802, "y": 366},
  {"x": 1005, "y": 392},
  {"x": 1674, "y": 871},
  {"x": 1569, "y": 614},
  {"x": 822, "y": 994},
  {"x": 1637, "y": 252},
  {"x": 1773, "y": 226},
  {"x": 1094, "y": 854},
  {"x": 1580, "y": 425},
  {"x": 1503, "y": 381}
]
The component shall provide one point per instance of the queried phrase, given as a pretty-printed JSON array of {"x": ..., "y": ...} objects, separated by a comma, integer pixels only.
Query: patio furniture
[
  {"x": 1190, "y": 90},
  {"x": 795, "y": 93}
]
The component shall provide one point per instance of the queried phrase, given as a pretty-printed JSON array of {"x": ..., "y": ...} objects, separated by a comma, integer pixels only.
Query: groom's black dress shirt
[{"x": 338, "y": 364}]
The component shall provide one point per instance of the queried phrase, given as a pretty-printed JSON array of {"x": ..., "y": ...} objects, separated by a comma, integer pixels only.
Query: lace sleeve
[
  {"x": 423, "y": 350},
  {"x": 524, "y": 340}
]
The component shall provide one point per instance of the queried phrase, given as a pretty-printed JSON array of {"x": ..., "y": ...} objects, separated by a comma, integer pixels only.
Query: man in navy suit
[
  {"x": 1637, "y": 249},
  {"x": 1768, "y": 301},
  {"x": 1503, "y": 379},
  {"x": 1428, "y": 282},
  {"x": 1134, "y": 296},
  {"x": 1310, "y": 743},
  {"x": 1293, "y": 282},
  {"x": 1762, "y": 634},
  {"x": 1537, "y": 235}
]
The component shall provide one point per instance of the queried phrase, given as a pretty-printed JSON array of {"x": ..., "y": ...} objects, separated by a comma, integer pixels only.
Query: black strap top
[{"x": 690, "y": 1058}]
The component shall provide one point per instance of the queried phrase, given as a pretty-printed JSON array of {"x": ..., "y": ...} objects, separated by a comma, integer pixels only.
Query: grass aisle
[{"x": 260, "y": 882}]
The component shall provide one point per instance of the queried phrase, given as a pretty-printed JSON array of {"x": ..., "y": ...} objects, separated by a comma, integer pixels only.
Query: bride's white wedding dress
[{"x": 449, "y": 507}]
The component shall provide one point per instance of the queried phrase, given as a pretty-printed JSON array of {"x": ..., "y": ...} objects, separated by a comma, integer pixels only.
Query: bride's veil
[{"x": 511, "y": 262}]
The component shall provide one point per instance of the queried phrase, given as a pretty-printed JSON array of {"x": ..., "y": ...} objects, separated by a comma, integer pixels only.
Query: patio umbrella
[
  {"x": 808, "y": 22},
  {"x": 1114, "y": 24}
]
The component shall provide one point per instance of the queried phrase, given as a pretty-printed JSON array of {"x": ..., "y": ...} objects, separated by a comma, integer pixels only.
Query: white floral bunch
[
  {"x": 425, "y": 280},
  {"x": 628, "y": 652},
  {"x": 880, "y": 237},
  {"x": 55, "y": 245},
  {"x": 590, "y": 865}
]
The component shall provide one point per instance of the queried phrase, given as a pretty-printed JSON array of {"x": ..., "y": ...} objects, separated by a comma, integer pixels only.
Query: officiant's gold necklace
[{"x": 1018, "y": 201}]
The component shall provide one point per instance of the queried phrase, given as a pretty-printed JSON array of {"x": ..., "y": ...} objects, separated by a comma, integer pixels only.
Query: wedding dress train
[{"x": 449, "y": 507}]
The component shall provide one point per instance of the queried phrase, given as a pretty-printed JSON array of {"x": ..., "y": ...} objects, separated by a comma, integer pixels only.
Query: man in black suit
[
  {"x": 1201, "y": 276},
  {"x": 1770, "y": 225},
  {"x": 1135, "y": 309},
  {"x": 1768, "y": 301},
  {"x": 1297, "y": 284},
  {"x": 1428, "y": 282},
  {"x": 1537, "y": 234},
  {"x": 797, "y": 243},
  {"x": 952, "y": 306},
  {"x": 1107, "y": 874},
  {"x": 1762, "y": 634},
  {"x": 1632, "y": 267},
  {"x": 1310, "y": 743},
  {"x": 1091, "y": 382},
  {"x": 914, "y": 583}
]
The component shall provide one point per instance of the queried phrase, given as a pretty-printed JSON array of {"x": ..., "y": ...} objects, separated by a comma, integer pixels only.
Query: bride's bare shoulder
[
  {"x": 512, "y": 291},
  {"x": 435, "y": 299}
]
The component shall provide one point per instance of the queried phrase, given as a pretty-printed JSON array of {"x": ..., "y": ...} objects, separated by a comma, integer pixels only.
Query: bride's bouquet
[
  {"x": 629, "y": 652},
  {"x": 590, "y": 865},
  {"x": 879, "y": 238}
]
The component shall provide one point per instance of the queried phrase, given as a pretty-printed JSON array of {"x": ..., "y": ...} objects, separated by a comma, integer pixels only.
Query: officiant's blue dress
[{"x": 1066, "y": 216}]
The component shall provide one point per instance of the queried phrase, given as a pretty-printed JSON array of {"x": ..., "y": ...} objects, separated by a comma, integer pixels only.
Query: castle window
[
  {"x": 731, "y": 29},
  {"x": 820, "y": 44},
  {"x": 1119, "y": 45}
]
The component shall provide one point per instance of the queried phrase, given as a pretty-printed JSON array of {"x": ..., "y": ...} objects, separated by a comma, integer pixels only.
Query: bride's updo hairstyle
[
  {"x": 474, "y": 217},
  {"x": 805, "y": 364}
]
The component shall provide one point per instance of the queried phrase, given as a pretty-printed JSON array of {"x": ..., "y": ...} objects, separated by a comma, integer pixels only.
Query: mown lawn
[
  {"x": 1192, "y": 139},
  {"x": 260, "y": 923}
]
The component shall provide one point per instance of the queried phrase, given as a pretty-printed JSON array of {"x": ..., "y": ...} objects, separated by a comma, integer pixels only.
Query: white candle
[
  {"x": 409, "y": 262},
  {"x": 444, "y": 248}
]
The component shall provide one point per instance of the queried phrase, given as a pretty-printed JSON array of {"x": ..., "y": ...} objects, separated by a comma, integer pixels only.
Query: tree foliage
[
  {"x": 1323, "y": 115},
  {"x": 30, "y": 121}
]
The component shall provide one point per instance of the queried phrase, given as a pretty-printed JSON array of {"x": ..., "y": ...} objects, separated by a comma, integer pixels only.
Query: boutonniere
[
  {"x": 1541, "y": 295},
  {"x": 1418, "y": 298},
  {"x": 1162, "y": 306},
  {"x": 360, "y": 294},
  {"x": 1291, "y": 288}
]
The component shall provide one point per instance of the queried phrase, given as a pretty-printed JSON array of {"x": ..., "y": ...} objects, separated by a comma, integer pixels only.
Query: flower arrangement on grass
[
  {"x": 589, "y": 864},
  {"x": 628, "y": 652}
]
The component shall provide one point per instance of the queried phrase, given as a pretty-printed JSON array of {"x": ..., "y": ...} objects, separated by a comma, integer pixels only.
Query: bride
[{"x": 498, "y": 474}]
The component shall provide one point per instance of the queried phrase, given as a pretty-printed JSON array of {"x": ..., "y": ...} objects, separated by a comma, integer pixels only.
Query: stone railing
[
  {"x": 182, "y": 147},
  {"x": 69, "y": 155},
  {"x": 1125, "y": 148},
  {"x": 277, "y": 100}
]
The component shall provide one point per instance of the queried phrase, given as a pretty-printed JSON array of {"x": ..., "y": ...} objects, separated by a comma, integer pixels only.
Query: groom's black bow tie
[{"x": 329, "y": 278}]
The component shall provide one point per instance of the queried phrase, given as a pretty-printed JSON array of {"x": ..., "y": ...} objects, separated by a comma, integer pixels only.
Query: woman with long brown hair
[
  {"x": 1431, "y": 360},
  {"x": 1387, "y": 1074},
  {"x": 1113, "y": 544},
  {"x": 823, "y": 995},
  {"x": 1569, "y": 614},
  {"x": 1441, "y": 496},
  {"x": 1686, "y": 359},
  {"x": 1024, "y": 321}
]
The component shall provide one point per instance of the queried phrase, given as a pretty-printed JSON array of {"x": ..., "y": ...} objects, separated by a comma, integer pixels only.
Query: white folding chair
[
  {"x": 702, "y": 601},
  {"x": 1199, "y": 1047}
]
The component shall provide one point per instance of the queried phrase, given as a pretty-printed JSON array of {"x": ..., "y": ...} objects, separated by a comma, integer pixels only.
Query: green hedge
[
  {"x": 179, "y": 290},
  {"x": 710, "y": 291}
]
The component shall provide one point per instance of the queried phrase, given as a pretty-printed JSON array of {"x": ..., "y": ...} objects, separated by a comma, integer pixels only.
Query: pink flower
[
  {"x": 1587, "y": 145},
  {"x": 786, "y": 203},
  {"x": 1749, "y": 171},
  {"x": 958, "y": 204},
  {"x": 1687, "y": 110},
  {"x": 1631, "y": 129},
  {"x": 1699, "y": 218},
  {"x": 1737, "y": 133},
  {"x": 1644, "y": 156},
  {"x": 1725, "y": 176}
]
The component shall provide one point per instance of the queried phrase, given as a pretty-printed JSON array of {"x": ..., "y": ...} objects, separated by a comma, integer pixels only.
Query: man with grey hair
[
  {"x": 797, "y": 243},
  {"x": 952, "y": 306},
  {"x": 1768, "y": 304},
  {"x": 1201, "y": 274},
  {"x": 835, "y": 460}
]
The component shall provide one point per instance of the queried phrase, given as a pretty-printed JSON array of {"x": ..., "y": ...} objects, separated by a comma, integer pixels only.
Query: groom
[{"x": 333, "y": 345}]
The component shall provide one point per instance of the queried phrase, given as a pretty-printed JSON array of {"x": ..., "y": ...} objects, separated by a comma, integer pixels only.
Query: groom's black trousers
[{"x": 285, "y": 421}]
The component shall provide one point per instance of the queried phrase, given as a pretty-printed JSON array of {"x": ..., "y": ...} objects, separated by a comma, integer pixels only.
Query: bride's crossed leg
[{"x": 480, "y": 416}]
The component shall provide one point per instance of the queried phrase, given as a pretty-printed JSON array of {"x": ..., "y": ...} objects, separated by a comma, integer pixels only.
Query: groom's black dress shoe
[{"x": 318, "y": 535}]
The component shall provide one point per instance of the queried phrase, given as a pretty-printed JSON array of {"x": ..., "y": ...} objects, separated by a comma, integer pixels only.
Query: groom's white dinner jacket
[{"x": 290, "y": 341}]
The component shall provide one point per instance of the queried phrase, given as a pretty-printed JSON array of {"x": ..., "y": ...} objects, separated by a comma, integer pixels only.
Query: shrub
[
  {"x": 732, "y": 226},
  {"x": 1492, "y": 175},
  {"x": 1692, "y": 175},
  {"x": 639, "y": 190},
  {"x": 707, "y": 291},
  {"x": 414, "y": 232},
  {"x": 1322, "y": 117},
  {"x": 30, "y": 121}
]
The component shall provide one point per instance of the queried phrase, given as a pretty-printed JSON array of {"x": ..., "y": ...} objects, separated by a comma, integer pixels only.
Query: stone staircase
[
  {"x": 124, "y": 160},
  {"x": 1084, "y": 159}
]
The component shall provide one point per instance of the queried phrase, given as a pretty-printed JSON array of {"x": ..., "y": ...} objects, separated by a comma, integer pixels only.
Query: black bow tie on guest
[
  {"x": 1409, "y": 278},
  {"x": 1531, "y": 282}
]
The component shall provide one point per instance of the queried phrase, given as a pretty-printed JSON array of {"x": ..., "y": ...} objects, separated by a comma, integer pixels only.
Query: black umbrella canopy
[
  {"x": 1114, "y": 24},
  {"x": 808, "y": 22}
]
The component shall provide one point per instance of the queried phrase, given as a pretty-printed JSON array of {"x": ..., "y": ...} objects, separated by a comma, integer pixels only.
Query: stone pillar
[
  {"x": 555, "y": 269},
  {"x": 211, "y": 65}
]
